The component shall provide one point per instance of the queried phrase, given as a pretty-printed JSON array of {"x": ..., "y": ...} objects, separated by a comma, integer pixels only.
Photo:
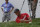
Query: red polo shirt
[{"x": 21, "y": 17}]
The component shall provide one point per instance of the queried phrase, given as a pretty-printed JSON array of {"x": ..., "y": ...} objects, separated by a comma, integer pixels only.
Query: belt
[{"x": 6, "y": 12}]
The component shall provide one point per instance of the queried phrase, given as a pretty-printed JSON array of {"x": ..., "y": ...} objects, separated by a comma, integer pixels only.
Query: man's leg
[
  {"x": 32, "y": 8},
  {"x": 35, "y": 9},
  {"x": 4, "y": 17},
  {"x": 8, "y": 17},
  {"x": 32, "y": 13}
]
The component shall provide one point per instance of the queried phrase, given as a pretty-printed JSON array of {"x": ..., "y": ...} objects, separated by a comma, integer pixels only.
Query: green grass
[{"x": 35, "y": 23}]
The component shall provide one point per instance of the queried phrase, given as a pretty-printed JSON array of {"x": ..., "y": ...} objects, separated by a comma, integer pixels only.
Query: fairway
[{"x": 35, "y": 23}]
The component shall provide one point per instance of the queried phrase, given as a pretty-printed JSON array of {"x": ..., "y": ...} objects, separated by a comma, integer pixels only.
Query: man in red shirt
[{"x": 21, "y": 18}]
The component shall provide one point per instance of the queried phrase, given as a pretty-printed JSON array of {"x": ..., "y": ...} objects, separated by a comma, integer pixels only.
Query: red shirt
[{"x": 21, "y": 17}]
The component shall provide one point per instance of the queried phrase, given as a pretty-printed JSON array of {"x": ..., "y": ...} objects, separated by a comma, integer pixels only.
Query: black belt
[{"x": 6, "y": 12}]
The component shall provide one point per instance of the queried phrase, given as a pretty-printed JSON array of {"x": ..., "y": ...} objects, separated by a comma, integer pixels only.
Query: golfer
[
  {"x": 7, "y": 9},
  {"x": 22, "y": 18}
]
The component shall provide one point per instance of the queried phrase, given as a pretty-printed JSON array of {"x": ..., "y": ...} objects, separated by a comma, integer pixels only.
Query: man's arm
[
  {"x": 29, "y": 19},
  {"x": 12, "y": 8},
  {"x": 2, "y": 7}
]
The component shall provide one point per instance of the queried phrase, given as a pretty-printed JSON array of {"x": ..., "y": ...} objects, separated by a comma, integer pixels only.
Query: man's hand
[
  {"x": 21, "y": 20},
  {"x": 11, "y": 10},
  {"x": 2, "y": 9}
]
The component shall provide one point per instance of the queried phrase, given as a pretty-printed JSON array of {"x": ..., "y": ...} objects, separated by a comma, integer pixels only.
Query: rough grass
[{"x": 35, "y": 23}]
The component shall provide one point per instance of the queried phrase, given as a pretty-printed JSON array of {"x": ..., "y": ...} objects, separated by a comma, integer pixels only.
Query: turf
[{"x": 35, "y": 23}]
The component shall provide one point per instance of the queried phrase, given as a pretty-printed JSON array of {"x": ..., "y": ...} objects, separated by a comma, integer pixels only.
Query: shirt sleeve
[
  {"x": 2, "y": 5},
  {"x": 12, "y": 6},
  {"x": 27, "y": 15}
]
